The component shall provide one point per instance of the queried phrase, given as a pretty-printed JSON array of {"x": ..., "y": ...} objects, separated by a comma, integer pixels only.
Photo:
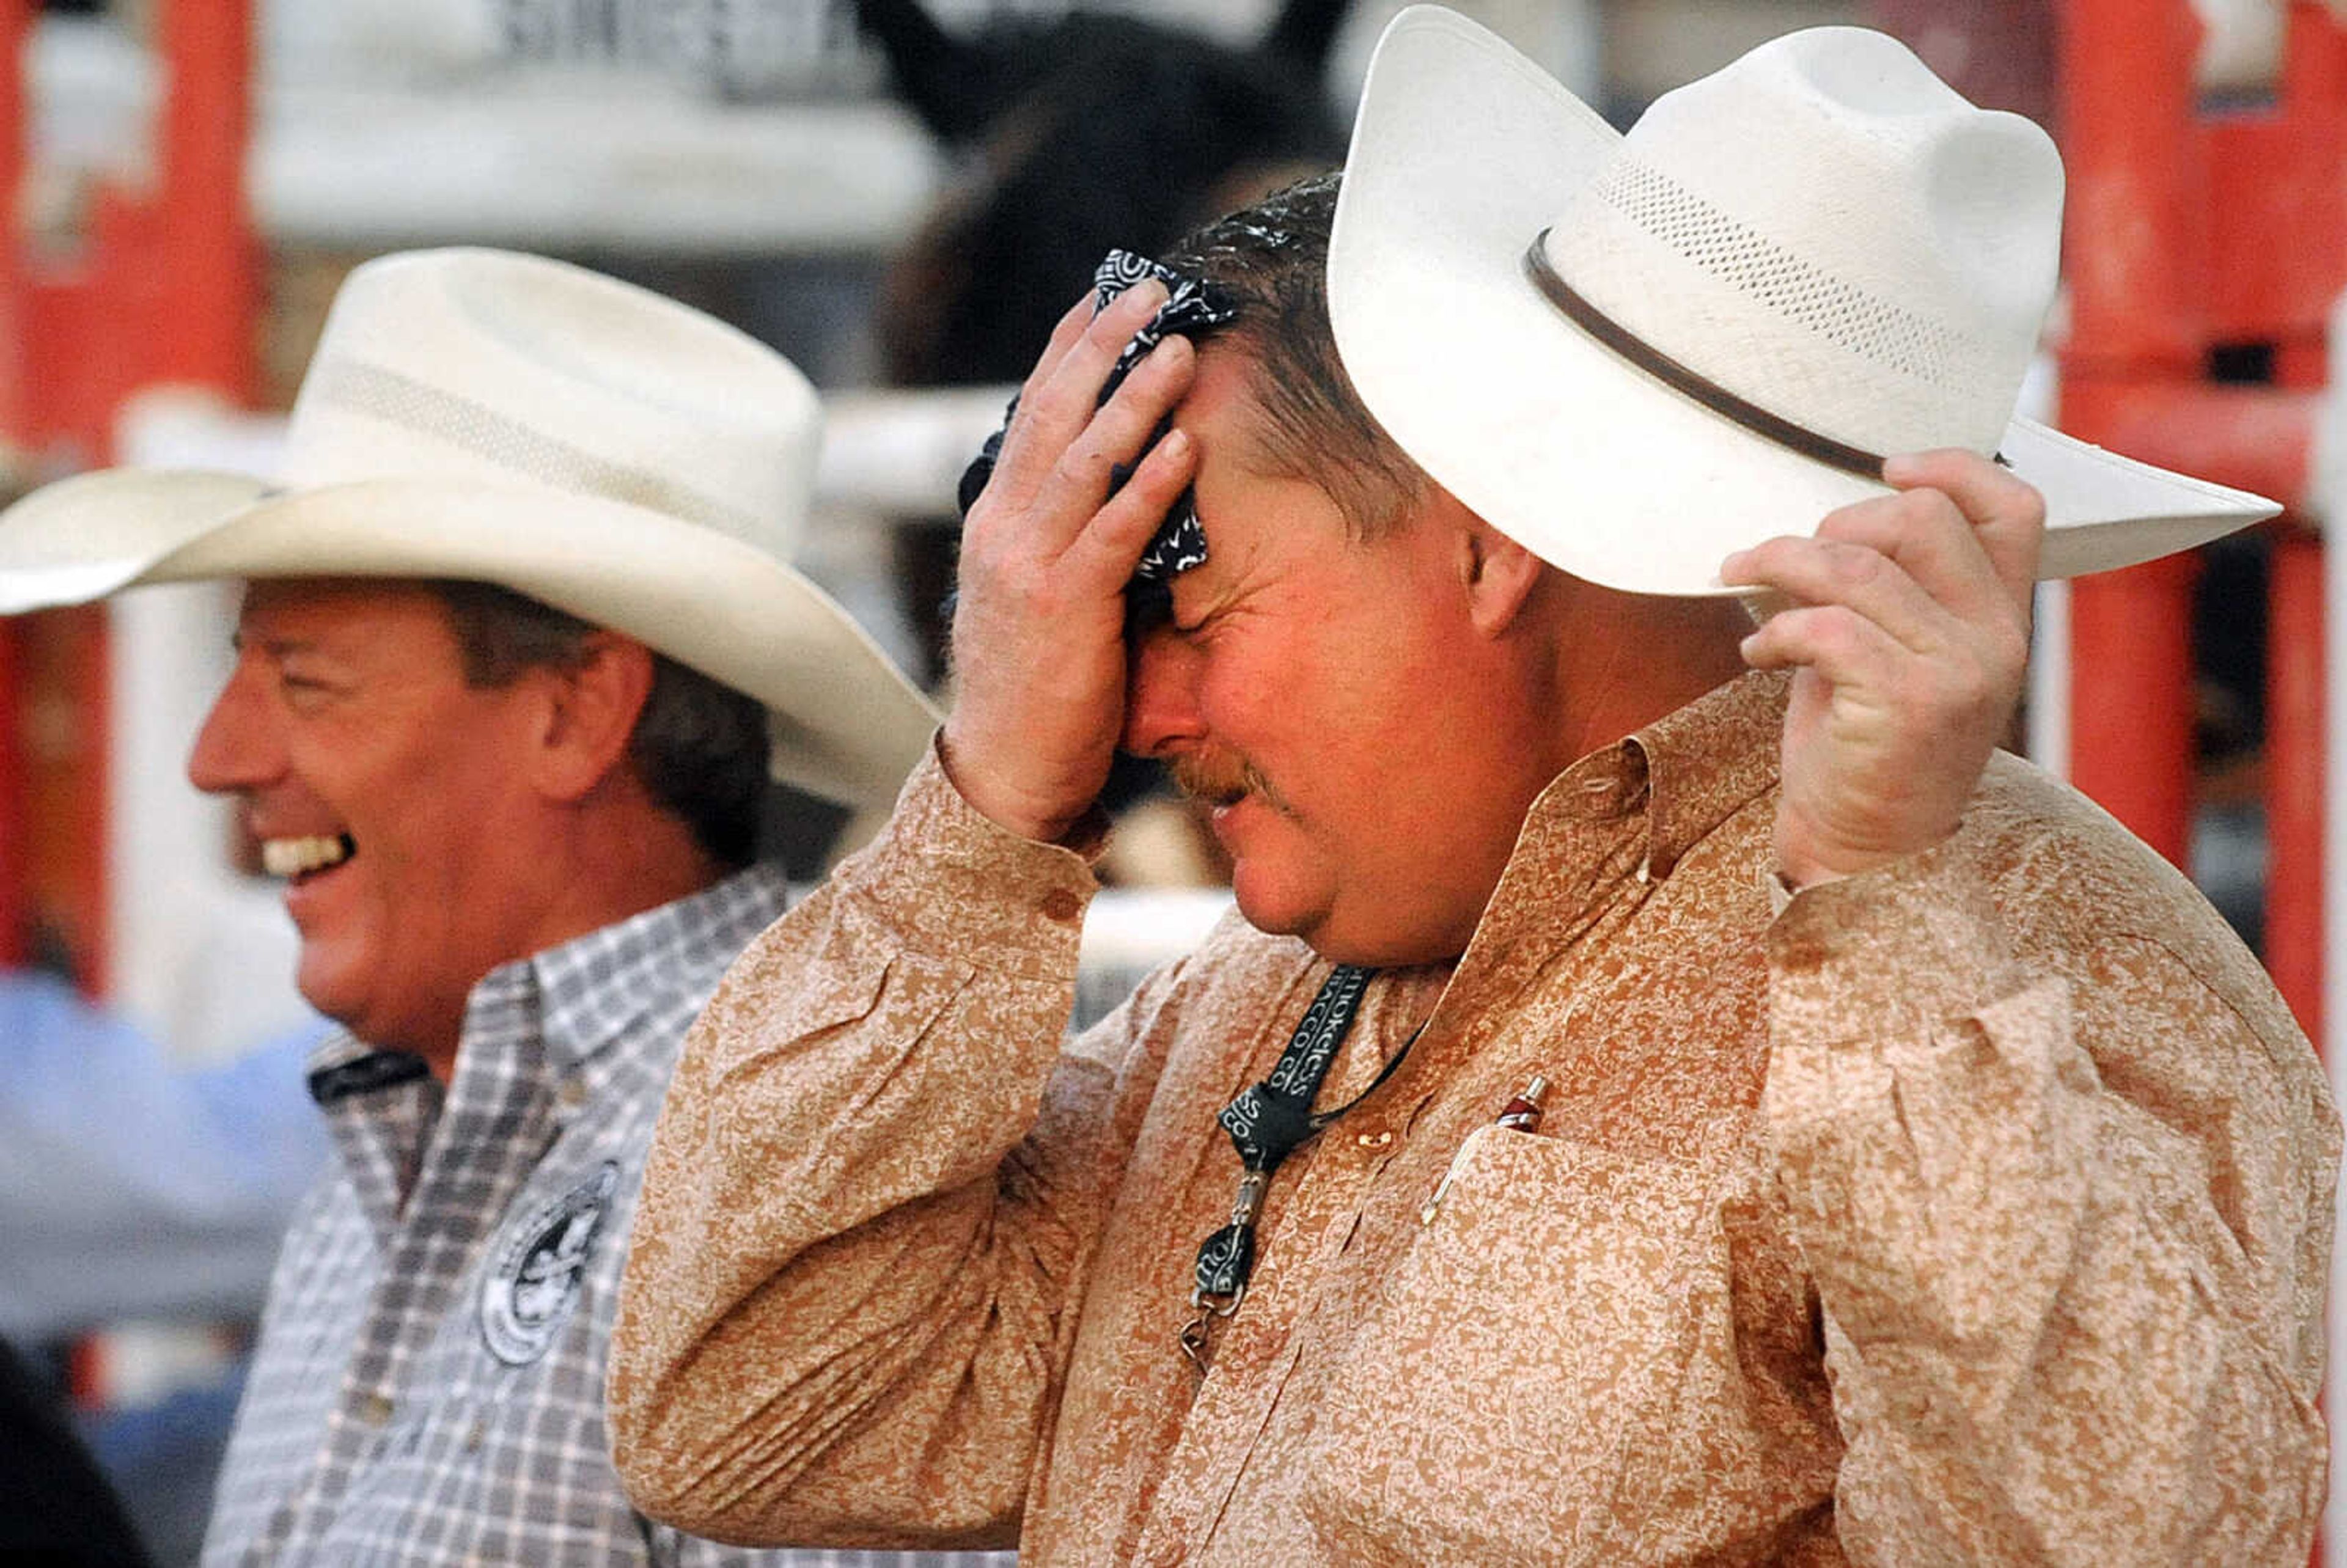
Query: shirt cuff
[
  {"x": 1911, "y": 943},
  {"x": 951, "y": 879}
]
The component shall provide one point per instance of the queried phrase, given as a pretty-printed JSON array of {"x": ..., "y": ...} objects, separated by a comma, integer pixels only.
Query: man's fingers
[
  {"x": 1909, "y": 635},
  {"x": 1868, "y": 672},
  {"x": 1065, "y": 332},
  {"x": 1923, "y": 562},
  {"x": 1852, "y": 652},
  {"x": 1110, "y": 545},
  {"x": 2006, "y": 513},
  {"x": 1038, "y": 642},
  {"x": 1057, "y": 403},
  {"x": 1079, "y": 481},
  {"x": 1932, "y": 541},
  {"x": 1860, "y": 576},
  {"x": 1070, "y": 331},
  {"x": 1069, "y": 393}
]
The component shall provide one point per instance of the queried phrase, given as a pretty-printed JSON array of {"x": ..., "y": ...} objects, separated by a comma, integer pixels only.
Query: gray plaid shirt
[{"x": 428, "y": 1387}]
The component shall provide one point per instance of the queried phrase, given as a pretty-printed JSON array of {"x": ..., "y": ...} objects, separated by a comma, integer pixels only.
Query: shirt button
[
  {"x": 473, "y": 1439},
  {"x": 374, "y": 1409},
  {"x": 1374, "y": 1140},
  {"x": 1061, "y": 905},
  {"x": 571, "y": 1095}
]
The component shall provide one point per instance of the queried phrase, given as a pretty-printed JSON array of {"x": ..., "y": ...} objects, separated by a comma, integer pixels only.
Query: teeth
[{"x": 292, "y": 856}]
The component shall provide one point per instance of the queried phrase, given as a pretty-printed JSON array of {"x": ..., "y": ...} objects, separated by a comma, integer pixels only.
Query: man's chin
[
  {"x": 1277, "y": 909},
  {"x": 1375, "y": 944},
  {"x": 327, "y": 989}
]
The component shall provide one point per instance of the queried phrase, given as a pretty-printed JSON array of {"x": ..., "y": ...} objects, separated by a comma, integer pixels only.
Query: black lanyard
[{"x": 1267, "y": 1122}]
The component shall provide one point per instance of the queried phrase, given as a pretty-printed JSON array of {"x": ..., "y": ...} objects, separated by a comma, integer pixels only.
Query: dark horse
[
  {"x": 1075, "y": 135},
  {"x": 1072, "y": 135}
]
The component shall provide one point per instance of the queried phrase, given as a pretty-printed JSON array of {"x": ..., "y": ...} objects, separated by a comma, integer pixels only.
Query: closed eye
[
  {"x": 1201, "y": 613},
  {"x": 305, "y": 685}
]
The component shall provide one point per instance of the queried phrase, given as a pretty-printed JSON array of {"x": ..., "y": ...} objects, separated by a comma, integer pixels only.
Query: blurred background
[{"x": 901, "y": 195}]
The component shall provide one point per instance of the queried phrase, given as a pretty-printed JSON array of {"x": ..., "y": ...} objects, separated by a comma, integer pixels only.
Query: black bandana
[{"x": 1193, "y": 310}]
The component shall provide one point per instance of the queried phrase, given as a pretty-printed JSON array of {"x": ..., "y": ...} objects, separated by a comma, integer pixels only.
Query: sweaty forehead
[{"x": 1224, "y": 413}]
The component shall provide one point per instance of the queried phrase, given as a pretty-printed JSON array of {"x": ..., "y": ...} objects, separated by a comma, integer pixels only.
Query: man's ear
[
  {"x": 1498, "y": 573},
  {"x": 591, "y": 713}
]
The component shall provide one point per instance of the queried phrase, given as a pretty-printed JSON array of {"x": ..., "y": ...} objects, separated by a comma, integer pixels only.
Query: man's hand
[
  {"x": 1908, "y": 635},
  {"x": 1039, "y": 621}
]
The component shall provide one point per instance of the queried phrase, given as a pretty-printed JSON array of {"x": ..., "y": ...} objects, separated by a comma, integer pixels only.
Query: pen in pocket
[{"x": 1522, "y": 1113}]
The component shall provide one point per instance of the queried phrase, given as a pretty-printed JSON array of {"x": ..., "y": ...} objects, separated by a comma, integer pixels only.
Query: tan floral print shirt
[{"x": 1976, "y": 1210}]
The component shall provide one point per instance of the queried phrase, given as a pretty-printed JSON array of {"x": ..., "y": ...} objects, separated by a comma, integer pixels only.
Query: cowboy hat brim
[
  {"x": 1463, "y": 150},
  {"x": 845, "y": 724}
]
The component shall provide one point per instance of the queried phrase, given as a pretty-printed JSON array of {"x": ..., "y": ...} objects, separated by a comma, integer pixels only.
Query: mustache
[{"x": 1223, "y": 778}]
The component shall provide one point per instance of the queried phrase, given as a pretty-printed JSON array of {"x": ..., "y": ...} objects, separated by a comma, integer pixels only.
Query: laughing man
[{"x": 519, "y": 644}]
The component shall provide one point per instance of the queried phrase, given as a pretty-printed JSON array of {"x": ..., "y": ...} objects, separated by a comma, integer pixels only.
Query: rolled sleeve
[
  {"x": 2044, "y": 1340},
  {"x": 873, "y": 1188}
]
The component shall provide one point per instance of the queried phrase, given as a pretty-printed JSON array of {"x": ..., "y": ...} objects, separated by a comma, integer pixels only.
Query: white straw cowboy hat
[
  {"x": 1636, "y": 354},
  {"x": 505, "y": 418}
]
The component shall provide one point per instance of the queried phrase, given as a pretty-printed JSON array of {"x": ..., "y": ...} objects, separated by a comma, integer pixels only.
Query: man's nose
[
  {"x": 1161, "y": 695},
  {"x": 238, "y": 747}
]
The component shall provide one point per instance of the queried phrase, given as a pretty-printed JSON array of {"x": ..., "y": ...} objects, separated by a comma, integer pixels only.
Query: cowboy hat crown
[
  {"x": 1653, "y": 349},
  {"x": 506, "y": 418},
  {"x": 497, "y": 366},
  {"x": 1827, "y": 227}
]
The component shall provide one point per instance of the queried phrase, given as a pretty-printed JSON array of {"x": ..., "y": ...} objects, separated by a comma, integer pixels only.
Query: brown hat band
[{"x": 1703, "y": 389}]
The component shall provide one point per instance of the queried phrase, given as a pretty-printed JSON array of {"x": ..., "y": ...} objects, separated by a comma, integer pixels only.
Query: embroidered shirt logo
[{"x": 535, "y": 1272}]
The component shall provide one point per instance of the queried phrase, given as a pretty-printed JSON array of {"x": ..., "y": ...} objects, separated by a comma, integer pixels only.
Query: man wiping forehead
[{"x": 1677, "y": 1095}]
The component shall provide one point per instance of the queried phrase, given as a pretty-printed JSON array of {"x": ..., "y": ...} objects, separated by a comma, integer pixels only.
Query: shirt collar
[
  {"x": 1664, "y": 787},
  {"x": 587, "y": 989},
  {"x": 1623, "y": 814},
  {"x": 1704, "y": 762},
  {"x": 592, "y": 988}
]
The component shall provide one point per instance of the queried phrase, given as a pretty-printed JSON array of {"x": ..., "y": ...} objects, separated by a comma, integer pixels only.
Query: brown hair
[
  {"x": 1271, "y": 261},
  {"x": 699, "y": 746}
]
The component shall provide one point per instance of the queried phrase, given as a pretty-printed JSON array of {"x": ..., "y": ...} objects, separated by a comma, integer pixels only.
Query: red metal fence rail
[
  {"x": 2192, "y": 229},
  {"x": 163, "y": 285}
]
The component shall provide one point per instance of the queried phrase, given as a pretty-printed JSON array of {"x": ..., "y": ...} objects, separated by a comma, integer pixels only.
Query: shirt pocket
[{"x": 1485, "y": 1406}]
